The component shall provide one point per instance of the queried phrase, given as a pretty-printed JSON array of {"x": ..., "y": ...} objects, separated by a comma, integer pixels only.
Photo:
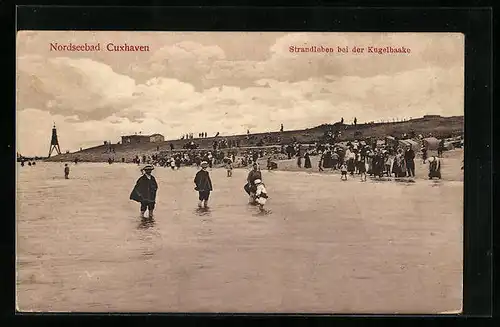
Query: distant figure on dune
[
  {"x": 66, "y": 171},
  {"x": 29, "y": 163},
  {"x": 281, "y": 128},
  {"x": 203, "y": 185},
  {"x": 145, "y": 190},
  {"x": 22, "y": 163},
  {"x": 33, "y": 163}
]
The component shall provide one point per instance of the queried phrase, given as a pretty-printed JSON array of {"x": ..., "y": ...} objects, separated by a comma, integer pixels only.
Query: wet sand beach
[{"x": 326, "y": 246}]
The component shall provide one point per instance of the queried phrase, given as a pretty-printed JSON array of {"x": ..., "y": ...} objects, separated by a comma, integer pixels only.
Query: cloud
[
  {"x": 186, "y": 61},
  {"x": 82, "y": 87},
  {"x": 441, "y": 50}
]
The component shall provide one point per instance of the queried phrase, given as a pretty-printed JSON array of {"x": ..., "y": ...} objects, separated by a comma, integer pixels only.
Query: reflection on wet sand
[{"x": 146, "y": 223}]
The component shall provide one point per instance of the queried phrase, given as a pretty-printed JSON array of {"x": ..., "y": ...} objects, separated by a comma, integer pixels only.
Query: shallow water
[{"x": 325, "y": 245}]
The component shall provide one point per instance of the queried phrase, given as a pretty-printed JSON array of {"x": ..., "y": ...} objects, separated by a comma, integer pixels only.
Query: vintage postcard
[{"x": 239, "y": 172}]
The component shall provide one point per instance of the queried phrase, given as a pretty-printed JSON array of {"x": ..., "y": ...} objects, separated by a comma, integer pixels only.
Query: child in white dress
[
  {"x": 228, "y": 163},
  {"x": 343, "y": 171},
  {"x": 261, "y": 194}
]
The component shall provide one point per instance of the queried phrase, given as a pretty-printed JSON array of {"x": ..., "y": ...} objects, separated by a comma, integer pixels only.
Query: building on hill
[
  {"x": 156, "y": 138},
  {"x": 134, "y": 139}
]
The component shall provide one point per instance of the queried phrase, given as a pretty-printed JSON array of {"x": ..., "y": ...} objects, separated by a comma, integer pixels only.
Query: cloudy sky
[{"x": 225, "y": 82}]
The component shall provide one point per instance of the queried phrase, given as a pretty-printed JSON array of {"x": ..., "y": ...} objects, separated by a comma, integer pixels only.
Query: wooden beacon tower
[{"x": 54, "y": 142}]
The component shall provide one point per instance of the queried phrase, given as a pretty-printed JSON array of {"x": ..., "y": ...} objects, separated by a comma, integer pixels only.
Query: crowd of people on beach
[
  {"x": 365, "y": 159},
  {"x": 177, "y": 159},
  {"x": 360, "y": 158}
]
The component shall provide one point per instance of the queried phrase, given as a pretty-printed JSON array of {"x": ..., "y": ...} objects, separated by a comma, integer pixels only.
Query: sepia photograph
[{"x": 239, "y": 172}]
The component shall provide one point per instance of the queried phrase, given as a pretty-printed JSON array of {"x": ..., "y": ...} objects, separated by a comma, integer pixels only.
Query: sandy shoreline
[{"x": 451, "y": 167}]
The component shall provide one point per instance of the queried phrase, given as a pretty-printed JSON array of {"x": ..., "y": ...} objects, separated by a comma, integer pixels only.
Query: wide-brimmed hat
[
  {"x": 204, "y": 164},
  {"x": 431, "y": 159},
  {"x": 257, "y": 181},
  {"x": 148, "y": 167}
]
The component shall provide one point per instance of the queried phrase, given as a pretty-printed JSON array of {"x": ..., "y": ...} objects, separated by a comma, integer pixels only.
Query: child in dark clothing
[
  {"x": 203, "y": 185},
  {"x": 145, "y": 190},
  {"x": 66, "y": 171}
]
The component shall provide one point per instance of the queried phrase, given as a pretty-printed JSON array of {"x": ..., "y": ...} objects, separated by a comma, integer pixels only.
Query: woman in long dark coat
[
  {"x": 378, "y": 165},
  {"x": 327, "y": 159},
  {"x": 351, "y": 165},
  {"x": 145, "y": 191},
  {"x": 399, "y": 167},
  {"x": 307, "y": 161}
]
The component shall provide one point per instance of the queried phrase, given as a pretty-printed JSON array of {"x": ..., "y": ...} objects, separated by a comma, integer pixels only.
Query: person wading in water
[
  {"x": 203, "y": 185},
  {"x": 145, "y": 190},
  {"x": 434, "y": 167},
  {"x": 66, "y": 171},
  {"x": 250, "y": 186}
]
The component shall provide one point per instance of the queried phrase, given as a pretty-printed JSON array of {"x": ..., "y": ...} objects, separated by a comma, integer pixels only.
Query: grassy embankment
[{"x": 438, "y": 126}]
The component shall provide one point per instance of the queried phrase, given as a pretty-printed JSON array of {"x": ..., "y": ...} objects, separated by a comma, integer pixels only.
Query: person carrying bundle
[
  {"x": 250, "y": 187},
  {"x": 434, "y": 167}
]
